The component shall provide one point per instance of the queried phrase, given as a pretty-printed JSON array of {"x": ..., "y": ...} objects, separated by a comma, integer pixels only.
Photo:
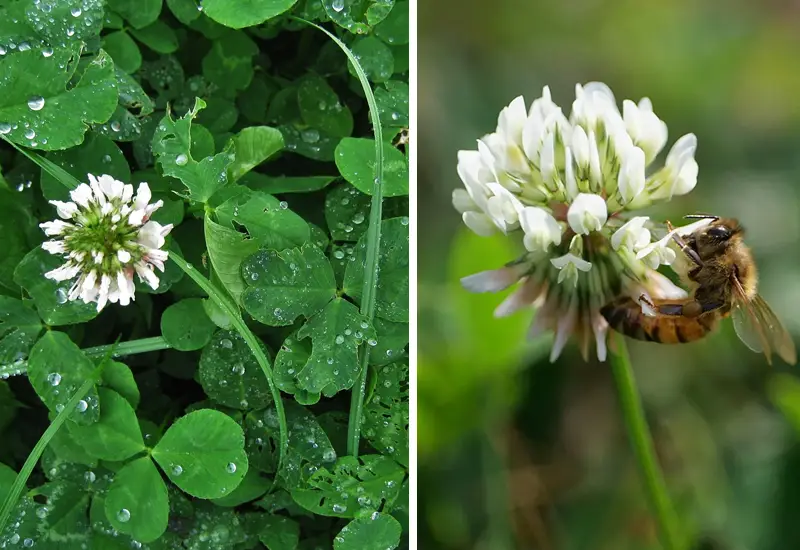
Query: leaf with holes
[
  {"x": 351, "y": 486},
  {"x": 335, "y": 333}
]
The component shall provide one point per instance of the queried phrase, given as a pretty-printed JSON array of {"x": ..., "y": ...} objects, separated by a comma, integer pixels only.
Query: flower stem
[
  {"x": 143, "y": 345},
  {"x": 642, "y": 443}
]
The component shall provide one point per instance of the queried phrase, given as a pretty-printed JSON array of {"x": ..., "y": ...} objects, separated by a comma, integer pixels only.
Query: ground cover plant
[{"x": 254, "y": 392}]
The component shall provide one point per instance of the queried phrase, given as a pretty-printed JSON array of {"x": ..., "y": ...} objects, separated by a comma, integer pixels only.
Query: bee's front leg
[{"x": 686, "y": 249}]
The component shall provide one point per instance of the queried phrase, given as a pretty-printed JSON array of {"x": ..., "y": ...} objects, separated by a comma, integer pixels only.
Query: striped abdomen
[{"x": 625, "y": 316}]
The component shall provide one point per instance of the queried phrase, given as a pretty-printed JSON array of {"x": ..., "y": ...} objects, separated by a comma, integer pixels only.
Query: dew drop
[
  {"x": 81, "y": 406},
  {"x": 89, "y": 476},
  {"x": 284, "y": 205},
  {"x": 372, "y": 342},
  {"x": 404, "y": 220},
  {"x": 41, "y": 513},
  {"x": 177, "y": 470},
  {"x": 29, "y": 133},
  {"x": 24, "y": 46},
  {"x": 3, "y": 50},
  {"x": 358, "y": 218},
  {"x": 310, "y": 135},
  {"x": 75, "y": 11},
  {"x": 364, "y": 324},
  {"x": 230, "y": 468},
  {"x": 339, "y": 339},
  {"x": 238, "y": 368},
  {"x": 225, "y": 343},
  {"x": 28, "y": 543},
  {"x": 338, "y": 254},
  {"x": 115, "y": 126},
  {"x": 47, "y": 52},
  {"x": 339, "y": 508},
  {"x": 5, "y": 128},
  {"x": 14, "y": 538},
  {"x": 124, "y": 515},
  {"x": 337, "y": 5},
  {"x": 54, "y": 378},
  {"x": 181, "y": 159}
]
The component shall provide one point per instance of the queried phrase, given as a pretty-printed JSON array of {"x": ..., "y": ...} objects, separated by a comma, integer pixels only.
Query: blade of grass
[
  {"x": 250, "y": 339},
  {"x": 67, "y": 179},
  {"x": 642, "y": 443},
  {"x": 373, "y": 248},
  {"x": 143, "y": 345},
  {"x": 30, "y": 463}
]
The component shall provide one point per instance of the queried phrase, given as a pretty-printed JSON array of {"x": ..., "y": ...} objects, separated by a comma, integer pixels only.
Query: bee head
[{"x": 720, "y": 233}]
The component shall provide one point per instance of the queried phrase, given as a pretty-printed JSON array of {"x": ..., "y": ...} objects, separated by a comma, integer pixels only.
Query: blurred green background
[{"x": 517, "y": 453}]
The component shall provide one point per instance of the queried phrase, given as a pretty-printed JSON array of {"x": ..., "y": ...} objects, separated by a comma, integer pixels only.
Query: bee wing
[
  {"x": 776, "y": 333},
  {"x": 759, "y": 328}
]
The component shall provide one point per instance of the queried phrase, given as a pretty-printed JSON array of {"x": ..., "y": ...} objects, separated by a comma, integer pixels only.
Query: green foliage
[{"x": 256, "y": 132}]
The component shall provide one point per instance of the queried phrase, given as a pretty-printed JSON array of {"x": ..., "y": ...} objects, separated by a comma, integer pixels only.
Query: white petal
[
  {"x": 63, "y": 273},
  {"x": 480, "y": 223},
  {"x": 55, "y": 227},
  {"x": 54, "y": 247},
  {"x": 122, "y": 284},
  {"x": 127, "y": 193},
  {"x": 512, "y": 119},
  {"x": 631, "y": 176},
  {"x": 463, "y": 202},
  {"x": 494, "y": 280},
  {"x": 540, "y": 228},
  {"x": 65, "y": 209},
  {"x": 580, "y": 146},
  {"x": 102, "y": 297},
  {"x": 82, "y": 195},
  {"x": 525, "y": 296},
  {"x": 146, "y": 274},
  {"x": 632, "y": 235},
  {"x": 563, "y": 331},
  {"x": 547, "y": 160},
  {"x": 143, "y": 196},
  {"x": 600, "y": 329},
  {"x": 587, "y": 213},
  {"x": 99, "y": 195},
  {"x": 123, "y": 256},
  {"x": 562, "y": 261},
  {"x": 137, "y": 217}
]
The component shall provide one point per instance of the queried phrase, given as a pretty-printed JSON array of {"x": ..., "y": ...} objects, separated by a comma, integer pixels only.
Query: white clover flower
[
  {"x": 108, "y": 237},
  {"x": 568, "y": 187}
]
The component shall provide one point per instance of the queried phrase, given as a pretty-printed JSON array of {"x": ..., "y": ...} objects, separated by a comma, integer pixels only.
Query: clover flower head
[
  {"x": 568, "y": 186},
  {"x": 107, "y": 237}
]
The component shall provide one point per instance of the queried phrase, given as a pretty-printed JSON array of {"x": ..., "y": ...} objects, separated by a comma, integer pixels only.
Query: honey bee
[{"x": 723, "y": 282}]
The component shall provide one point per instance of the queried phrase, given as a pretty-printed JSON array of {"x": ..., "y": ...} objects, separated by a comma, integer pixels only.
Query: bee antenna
[{"x": 701, "y": 217}]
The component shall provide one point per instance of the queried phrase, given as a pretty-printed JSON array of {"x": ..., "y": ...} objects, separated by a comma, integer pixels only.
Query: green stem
[
  {"x": 642, "y": 443},
  {"x": 33, "y": 458},
  {"x": 369, "y": 290},
  {"x": 252, "y": 342},
  {"x": 143, "y": 345}
]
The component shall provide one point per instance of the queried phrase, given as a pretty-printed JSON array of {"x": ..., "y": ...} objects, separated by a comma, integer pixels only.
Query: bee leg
[{"x": 685, "y": 248}]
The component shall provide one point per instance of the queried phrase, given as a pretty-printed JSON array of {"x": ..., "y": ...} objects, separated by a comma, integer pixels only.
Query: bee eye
[{"x": 720, "y": 232}]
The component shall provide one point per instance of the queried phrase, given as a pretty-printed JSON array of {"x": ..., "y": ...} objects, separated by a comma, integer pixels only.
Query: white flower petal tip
[
  {"x": 632, "y": 235},
  {"x": 645, "y": 128},
  {"x": 492, "y": 281},
  {"x": 587, "y": 213},
  {"x": 540, "y": 227}
]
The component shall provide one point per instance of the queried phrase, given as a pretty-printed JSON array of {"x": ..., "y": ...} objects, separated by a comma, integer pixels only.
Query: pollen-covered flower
[
  {"x": 107, "y": 237},
  {"x": 568, "y": 188}
]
